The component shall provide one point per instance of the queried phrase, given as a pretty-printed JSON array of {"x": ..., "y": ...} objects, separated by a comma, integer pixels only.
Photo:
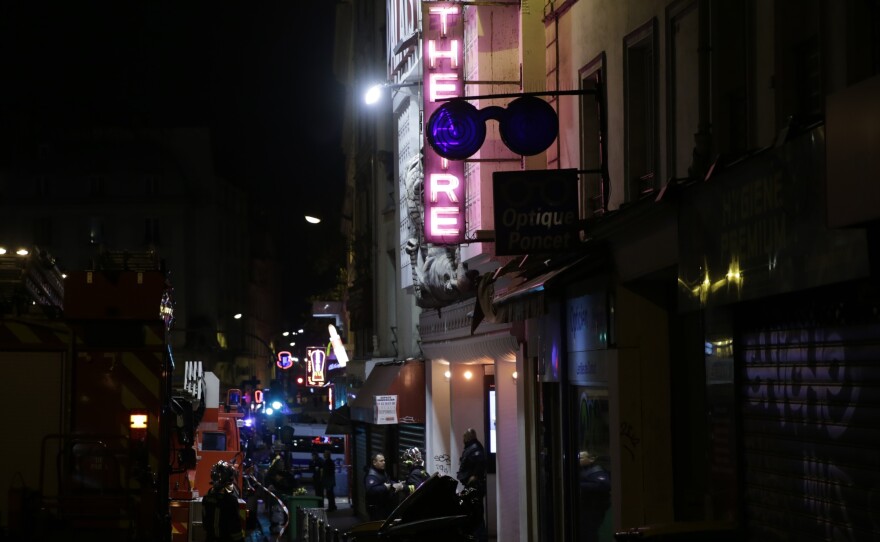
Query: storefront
[
  {"x": 387, "y": 416},
  {"x": 792, "y": 337}
]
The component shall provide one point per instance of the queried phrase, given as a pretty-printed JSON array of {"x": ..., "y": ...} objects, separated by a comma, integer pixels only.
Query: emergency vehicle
[{"x": 105, "y": 446}]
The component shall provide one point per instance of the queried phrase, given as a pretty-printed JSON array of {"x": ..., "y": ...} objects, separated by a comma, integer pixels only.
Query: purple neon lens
[{"x": 456, "y": 130}]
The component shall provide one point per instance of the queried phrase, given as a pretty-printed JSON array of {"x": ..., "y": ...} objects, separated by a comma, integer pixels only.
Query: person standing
[
  {"x": 472, "y": 475},
  {"x": 595, "y": 493},
  {"x": 316, "y": 465},
  {"x": 328, "y": 477},
  {"x": 380, "y": 490},
  {"x": 412, "y": 460},
  {"x": 220, "y": 517}
]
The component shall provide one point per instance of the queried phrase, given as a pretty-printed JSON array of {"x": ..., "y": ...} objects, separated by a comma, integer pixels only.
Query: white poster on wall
[{"x": 385, "y": 409}]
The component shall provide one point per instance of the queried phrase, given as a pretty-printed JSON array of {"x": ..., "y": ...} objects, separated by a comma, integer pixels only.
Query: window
[
  {"x": 685, "y": 98},
  {"x": 594, "y": 152},
  {"x": 640, "y": 110}
]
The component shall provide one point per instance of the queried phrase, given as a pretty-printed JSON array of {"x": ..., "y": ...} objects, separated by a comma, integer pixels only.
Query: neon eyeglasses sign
[{"x": 443, "y": 31}]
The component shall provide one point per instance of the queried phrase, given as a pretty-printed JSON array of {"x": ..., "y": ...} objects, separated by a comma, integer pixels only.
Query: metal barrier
[{"x": 313, "y": 527}]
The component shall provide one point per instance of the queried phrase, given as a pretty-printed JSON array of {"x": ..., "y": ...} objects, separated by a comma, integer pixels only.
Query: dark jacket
[
  {"x": 417, "y": 475},
  {"x": 220, "y": 516},
  {"x": 380, "y": 501},
  {"x": 328, "y": 472},
  {"x": 472, "y": 467}
]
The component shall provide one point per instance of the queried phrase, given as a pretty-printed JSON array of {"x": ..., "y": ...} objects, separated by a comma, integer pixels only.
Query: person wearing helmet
[
  {"x": 411, "y": 459},
  {"x": 220, "y": 517}
]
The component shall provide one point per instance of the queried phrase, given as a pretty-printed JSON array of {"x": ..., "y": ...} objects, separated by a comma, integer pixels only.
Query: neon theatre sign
[{"x": 443, "y": 31}]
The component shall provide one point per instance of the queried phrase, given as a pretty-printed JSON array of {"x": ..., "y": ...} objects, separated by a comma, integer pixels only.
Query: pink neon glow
[
  {"x": 445, "y": 184},
  {"x": 443, "y": 85},
  {"x": 434, "y": 54},
  {"x": 443, "y": 12},
  {"x": 443, "y": 33},
  {"x": 445, "y": 221}
]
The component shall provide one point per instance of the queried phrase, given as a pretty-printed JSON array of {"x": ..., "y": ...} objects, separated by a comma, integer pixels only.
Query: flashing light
[
  {"x": 276, "y": 405},
  {"x": 269, "y": 411},
  {"x": 248, "y": 422}
]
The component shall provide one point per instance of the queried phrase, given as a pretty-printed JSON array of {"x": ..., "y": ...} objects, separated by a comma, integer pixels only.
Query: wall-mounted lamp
[
  {"x": 514, "y": 375},
  {"x": 468, "y": 375},
  {"x": 448, "y": 375},
  {"x": 375, "y": 92}
]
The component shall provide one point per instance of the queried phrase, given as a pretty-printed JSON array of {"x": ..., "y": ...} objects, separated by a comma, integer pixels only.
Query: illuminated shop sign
[
  {"x": 315, "y": 367},
  {"x": 443, "y": 32}
]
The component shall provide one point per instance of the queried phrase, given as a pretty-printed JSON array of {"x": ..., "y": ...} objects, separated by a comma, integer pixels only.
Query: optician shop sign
[
  {"x": 443, "y": 33},
  {"x": 535, "y": 211}
]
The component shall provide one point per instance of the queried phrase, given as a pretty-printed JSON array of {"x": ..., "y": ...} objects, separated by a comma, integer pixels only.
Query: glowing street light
[
  {"x": 375, "y": 92},
  {"x": 313, "y": 219}
]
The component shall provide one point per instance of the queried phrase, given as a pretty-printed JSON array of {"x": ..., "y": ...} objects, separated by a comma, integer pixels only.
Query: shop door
[{"x": 591, "y": 455}]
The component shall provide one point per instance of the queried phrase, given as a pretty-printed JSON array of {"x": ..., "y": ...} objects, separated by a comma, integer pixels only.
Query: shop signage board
[{"x": 535, "y": 211}]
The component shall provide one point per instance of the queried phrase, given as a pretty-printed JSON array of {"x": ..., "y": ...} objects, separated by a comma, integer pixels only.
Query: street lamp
[{"x": 376, "y": 91}]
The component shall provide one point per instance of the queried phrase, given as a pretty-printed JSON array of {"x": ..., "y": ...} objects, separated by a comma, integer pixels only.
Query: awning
[
  {"x": 405, "y": 381},
  {"x": 339, "y": 422},
  {"x": 524, "y": 300}
]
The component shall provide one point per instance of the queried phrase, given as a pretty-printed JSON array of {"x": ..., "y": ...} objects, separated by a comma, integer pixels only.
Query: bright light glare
[
  {"x": 468, "y": 375},
  {"x": 374, "y": 93},
  {"x": 2, "y": 251},
  {"x": 237, "y": 316},
  {"x": 22, "y": 252},
  {"x": 286, "y": 333},
  {"x": 269, "y": 412},
  {"x": 276, "y": 405},
  {"x": 313, "y": 219},
  {"x": 300, "y": 331}
]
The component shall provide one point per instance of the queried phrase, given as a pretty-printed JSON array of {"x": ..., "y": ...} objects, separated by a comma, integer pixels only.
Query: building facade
[{"x": 706, "y": 344}]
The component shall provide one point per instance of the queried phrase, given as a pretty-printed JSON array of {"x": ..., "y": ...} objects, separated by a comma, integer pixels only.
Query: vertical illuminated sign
[
  {"x": 315, "y": 367},
  {"x": 443, "y": 33}
]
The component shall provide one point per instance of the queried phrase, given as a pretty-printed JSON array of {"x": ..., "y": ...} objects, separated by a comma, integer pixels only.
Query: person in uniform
[
  {"x": 220, "y": 515},
  {"x": 472, "y": 475},
  {"x": 380, "y": 490},
  {"x": 411, "y": 459}
]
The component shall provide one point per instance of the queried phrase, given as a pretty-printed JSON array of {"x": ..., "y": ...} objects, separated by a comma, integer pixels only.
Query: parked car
[{"x": 432, "y": 513}]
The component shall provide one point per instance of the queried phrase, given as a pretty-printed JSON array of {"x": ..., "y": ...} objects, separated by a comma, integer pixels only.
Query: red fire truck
[{"x": 101, "y": 443}]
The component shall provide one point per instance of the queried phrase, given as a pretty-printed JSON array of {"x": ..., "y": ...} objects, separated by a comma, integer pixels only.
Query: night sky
[{"x": 259, "y": 74}]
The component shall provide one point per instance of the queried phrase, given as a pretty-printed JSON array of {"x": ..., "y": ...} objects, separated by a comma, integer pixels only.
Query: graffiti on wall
[{"x": 807, "y": 424}]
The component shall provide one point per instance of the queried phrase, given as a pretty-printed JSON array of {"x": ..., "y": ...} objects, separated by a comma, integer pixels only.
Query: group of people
[
  {"x": 323, "y": 471},
  {"x": 220, "y": 509},
  {"x": 383, "y": 493}
]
